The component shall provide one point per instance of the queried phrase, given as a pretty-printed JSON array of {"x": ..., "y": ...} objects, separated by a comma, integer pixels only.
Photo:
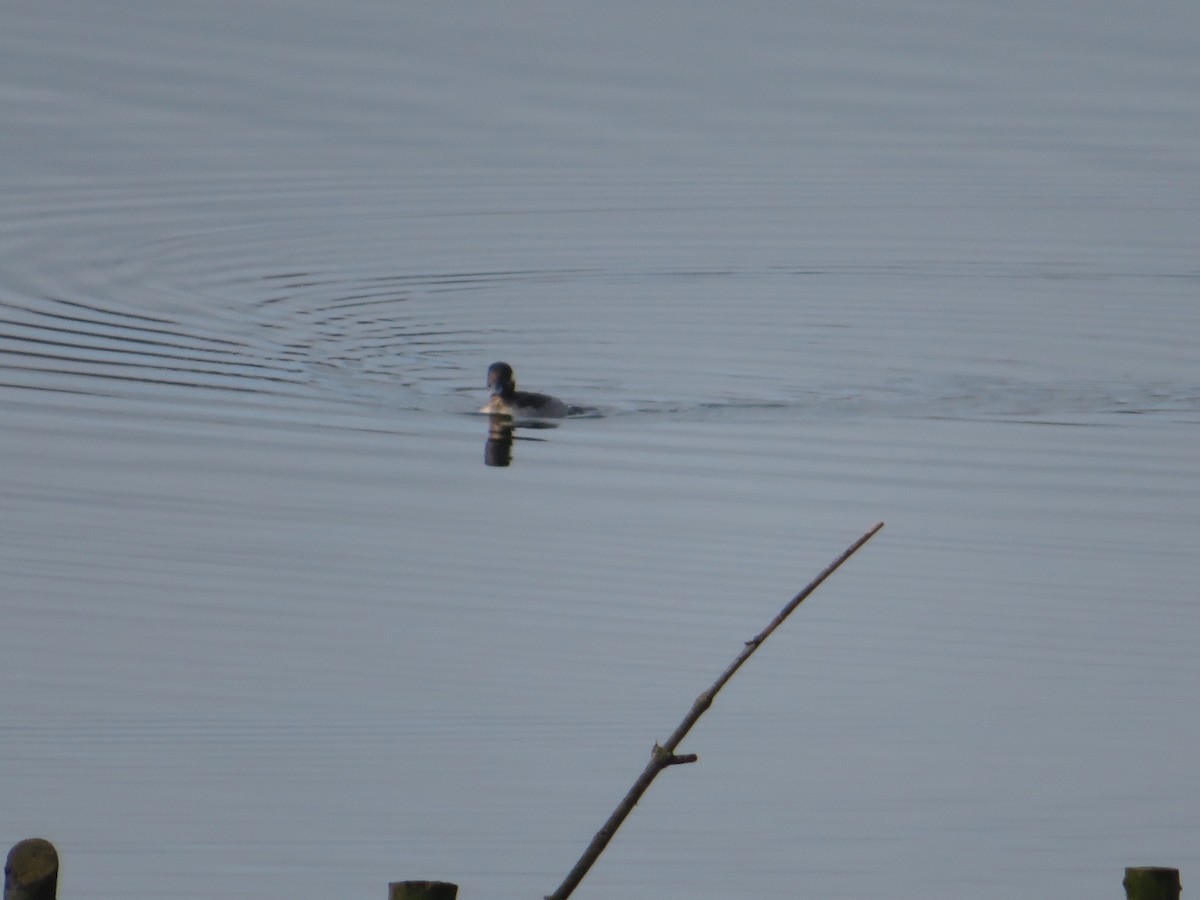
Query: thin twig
[{"x": 664, "y": 755}]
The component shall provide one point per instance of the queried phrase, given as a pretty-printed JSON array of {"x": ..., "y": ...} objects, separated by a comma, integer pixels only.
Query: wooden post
[
  {"x": 1152, "y": 883},
  {"x": 422, "y": 890},
  {"x": 31, "y": 871}
]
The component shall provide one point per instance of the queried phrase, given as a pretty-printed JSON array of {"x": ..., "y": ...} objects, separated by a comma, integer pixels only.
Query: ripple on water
[{"x": 125, "y": 294}]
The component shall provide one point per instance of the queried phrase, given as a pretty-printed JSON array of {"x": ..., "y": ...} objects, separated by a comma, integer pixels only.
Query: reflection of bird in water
[
  {"x": 497, "y": 450},
  {"x": 506, "y": 400}
]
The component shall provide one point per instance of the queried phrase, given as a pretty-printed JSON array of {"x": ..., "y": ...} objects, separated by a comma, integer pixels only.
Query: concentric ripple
[{"x": 277, "y": 292}]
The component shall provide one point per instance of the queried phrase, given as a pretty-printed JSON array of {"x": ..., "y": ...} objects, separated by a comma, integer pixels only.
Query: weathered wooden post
[
  {"x": 1151, "y": 883},
  {"x": 31, "y": 871},
  {"x": 422, "y": 890}
]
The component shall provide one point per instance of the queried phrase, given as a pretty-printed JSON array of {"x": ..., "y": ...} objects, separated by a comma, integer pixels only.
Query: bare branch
[{"x": 664, "y": 755}]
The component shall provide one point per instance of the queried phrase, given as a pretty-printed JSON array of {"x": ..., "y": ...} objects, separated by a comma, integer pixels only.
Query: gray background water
[{"x": 271, "y": 628}]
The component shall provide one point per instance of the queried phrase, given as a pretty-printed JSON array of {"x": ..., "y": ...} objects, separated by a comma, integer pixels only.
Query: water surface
[{"x": 273, "y": 620}]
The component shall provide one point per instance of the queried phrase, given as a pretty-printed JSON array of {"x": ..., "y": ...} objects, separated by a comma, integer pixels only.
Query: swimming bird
[{"x": 506, "y": 400}]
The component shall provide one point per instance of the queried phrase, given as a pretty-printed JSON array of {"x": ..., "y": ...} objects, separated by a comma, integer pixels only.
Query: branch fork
[{"x": 664, "y": 755}]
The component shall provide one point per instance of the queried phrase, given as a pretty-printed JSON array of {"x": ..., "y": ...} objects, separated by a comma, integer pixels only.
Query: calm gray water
[{"x": 272, "y": 628}]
